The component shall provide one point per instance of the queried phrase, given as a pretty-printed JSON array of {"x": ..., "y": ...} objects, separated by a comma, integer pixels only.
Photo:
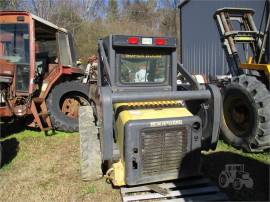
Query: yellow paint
[
  {"x": 149, "y": 103},
  {"x": 159, "y": 114},
  {"x": 261, "y": 67},
  {"x": 244, "y": 38},
  {"x": 119, "y": 174},
  {"x": 250, "y": 60}
]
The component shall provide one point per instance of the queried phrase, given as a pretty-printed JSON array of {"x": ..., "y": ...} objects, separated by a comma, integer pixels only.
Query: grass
[
  {"x": 257, "y": 165},
  {"x": 263, "y": 157},
  {"x": 46, "y": 168},
  {"x": 89, "y": 190}
]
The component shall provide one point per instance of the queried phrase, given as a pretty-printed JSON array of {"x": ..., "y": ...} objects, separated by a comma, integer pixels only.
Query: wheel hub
[
  {"x": 238, "y": 114},
  {"x": 70, "y": 107}
]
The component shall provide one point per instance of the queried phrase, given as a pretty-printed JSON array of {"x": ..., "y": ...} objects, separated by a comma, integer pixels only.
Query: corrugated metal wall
[{"x": 200, "y": 48}]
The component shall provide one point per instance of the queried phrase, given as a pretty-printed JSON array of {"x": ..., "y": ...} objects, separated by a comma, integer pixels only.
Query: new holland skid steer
[
  {"x": 140, "y": 129},
  {"x": 246, "y": 109}
]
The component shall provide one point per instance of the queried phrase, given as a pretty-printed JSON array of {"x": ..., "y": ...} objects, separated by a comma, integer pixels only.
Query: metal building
[{"x": 200, "y": 47}]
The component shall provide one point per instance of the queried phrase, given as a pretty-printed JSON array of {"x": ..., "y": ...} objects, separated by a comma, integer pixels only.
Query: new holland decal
[{"x": 166, "y": 123}]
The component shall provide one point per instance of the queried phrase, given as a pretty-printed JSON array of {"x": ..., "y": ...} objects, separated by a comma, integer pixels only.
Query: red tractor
[{"x": 39, "y": 79}]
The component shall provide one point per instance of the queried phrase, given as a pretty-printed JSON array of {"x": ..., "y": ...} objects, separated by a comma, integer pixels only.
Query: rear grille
[{"x": 163, "y": 149}]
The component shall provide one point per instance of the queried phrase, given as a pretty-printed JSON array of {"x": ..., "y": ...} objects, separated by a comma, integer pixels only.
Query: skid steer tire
[
  {"x": 63, "y": 91},
  {"x": 245, "y": 120},
  {"x": 89, "y": 146}
]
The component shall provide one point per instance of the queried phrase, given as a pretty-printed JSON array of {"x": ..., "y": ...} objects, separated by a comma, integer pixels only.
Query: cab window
[{"x": 143, "y": 68}]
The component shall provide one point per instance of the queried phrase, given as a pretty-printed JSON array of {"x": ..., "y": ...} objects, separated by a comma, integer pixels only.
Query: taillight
[
  {"x": 133, "y": 40},
  {"x": 160, "y": 41}
]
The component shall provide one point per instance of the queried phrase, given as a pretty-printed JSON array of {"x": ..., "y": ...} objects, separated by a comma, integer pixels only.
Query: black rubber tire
[
  {"x": 254, "y": 95},
  {"x": 59, "y": 120},
  {"x": 89, "y": 146},
  {"x": 223, "y": 180},
  {"x": 237, "y": 184}
]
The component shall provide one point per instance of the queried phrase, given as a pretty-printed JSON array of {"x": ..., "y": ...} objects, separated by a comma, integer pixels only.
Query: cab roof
[{"x": 34, "y": 17}]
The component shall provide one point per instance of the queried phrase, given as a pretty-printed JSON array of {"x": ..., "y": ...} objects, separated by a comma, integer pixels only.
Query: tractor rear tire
[
  {"x": 89, "y": 146},
  {"x": 73, "y": 91},
  {"x": 245, "y": 120}
]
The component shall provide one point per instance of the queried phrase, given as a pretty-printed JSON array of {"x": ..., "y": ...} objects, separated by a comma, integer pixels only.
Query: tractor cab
[
  {"x": 34, "y": 46},
  {"x": 36, "y": 56},
  {"x": 234, "y": 168}
]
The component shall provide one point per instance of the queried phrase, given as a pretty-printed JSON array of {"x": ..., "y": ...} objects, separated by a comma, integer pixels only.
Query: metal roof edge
[
  {"x": 43, "y": 21},
  {"x": 182, "y": 3}
]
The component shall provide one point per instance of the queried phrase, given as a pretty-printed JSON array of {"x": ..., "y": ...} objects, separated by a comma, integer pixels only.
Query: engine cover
[{"x": 158, "y": 149}]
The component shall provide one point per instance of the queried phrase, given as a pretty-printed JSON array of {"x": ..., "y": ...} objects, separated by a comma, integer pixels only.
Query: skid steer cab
[{"x": 140, "y": 129}]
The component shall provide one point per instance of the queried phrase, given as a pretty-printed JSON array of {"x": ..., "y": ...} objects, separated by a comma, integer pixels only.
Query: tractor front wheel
[
  {"x": 223, "y": 180},
  {"x": 64, "y": 102},
  {"x": 237, "y": 184}
]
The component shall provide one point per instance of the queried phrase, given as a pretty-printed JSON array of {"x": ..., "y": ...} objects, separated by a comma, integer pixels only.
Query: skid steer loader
[{"x": 139, "y": 128}]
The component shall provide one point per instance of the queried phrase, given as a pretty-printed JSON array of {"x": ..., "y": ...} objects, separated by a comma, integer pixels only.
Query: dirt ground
[{"x": 46, "y": 168}]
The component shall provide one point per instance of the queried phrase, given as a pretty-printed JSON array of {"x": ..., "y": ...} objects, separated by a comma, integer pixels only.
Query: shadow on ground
[
  {"x": 7, "y": 129},
  {"x": 10, "y": 148},
  {"x": 214, "y": 164}
]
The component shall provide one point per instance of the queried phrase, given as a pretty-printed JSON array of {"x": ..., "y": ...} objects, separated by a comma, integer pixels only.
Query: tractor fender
[{"x": 56, "y": 76}]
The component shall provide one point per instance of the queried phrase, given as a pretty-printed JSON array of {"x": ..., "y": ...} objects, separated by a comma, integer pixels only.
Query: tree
[
  {"x": 9, "y": 4},
  {"x": 168, "y": 17},
  {"x": 67, "y": 16},
  {"x": 112, "y": 11},
  {"x": 43, "y": 9}
]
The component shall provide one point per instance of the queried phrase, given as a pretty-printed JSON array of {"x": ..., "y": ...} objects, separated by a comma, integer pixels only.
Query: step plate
[{"x": 194, "y": 189}]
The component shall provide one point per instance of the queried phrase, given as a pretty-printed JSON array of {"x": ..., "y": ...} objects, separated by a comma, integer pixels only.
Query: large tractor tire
[
  {"x": 63, "y": 104},
  {"x": 245, "y": 122},
  {"x": 89, "y": 145}
]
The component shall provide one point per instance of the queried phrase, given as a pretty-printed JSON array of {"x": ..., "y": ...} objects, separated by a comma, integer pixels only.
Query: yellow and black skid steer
[{"x": 140, "y": 129}]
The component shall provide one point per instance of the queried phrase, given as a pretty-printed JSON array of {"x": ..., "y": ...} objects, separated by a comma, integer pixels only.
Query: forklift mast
[{"x": 238, "y": 30}]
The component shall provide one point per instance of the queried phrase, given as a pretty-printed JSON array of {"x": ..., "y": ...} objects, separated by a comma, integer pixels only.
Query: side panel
[
  {"x": 158, "y": 156},
  {"x": 200, "y": 48}
]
